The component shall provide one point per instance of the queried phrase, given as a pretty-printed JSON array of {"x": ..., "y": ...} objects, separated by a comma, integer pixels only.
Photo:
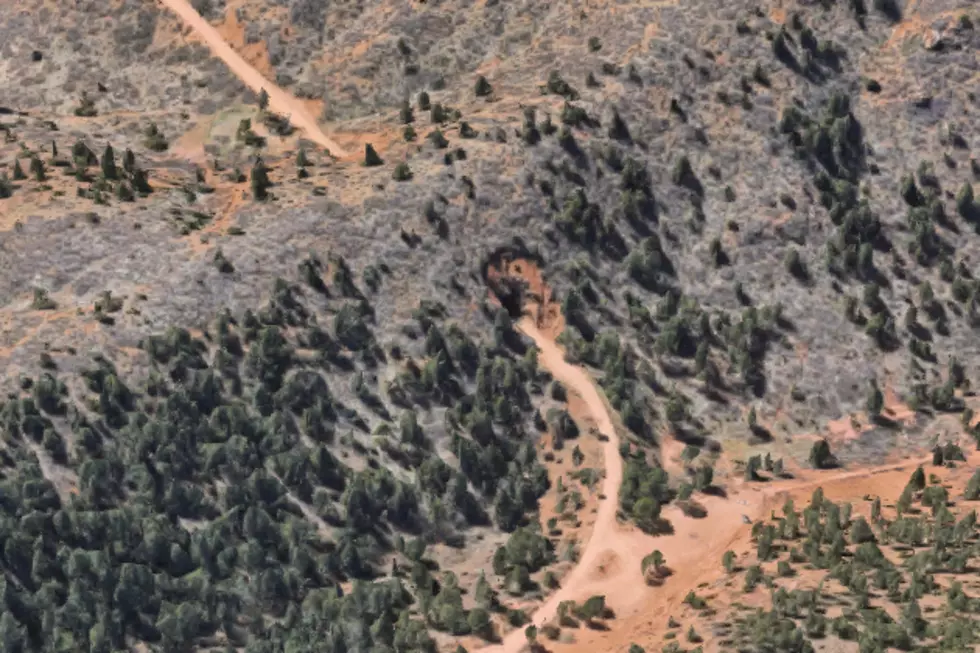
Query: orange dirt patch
[
  {"x": 538, "y": 301},
  {"x": 848, "y": 427},
  {"x": 279, "y": 101},
  {"x": 190, "y": 145},
  {"x": 607, "y": 564},
  {"x": 233, "y": 32},
  {"x": 895, "y": 408}
]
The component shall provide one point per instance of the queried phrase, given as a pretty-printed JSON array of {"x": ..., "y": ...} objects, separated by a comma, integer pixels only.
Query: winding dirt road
[
  {"x": 280, "y": 101},
  {"x": 609, "y": 564}
]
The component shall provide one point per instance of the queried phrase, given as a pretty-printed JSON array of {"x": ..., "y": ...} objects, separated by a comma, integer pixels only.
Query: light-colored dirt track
[
  {"x": 279, "y": 101},
  {"x": 609, "y": 564},
  {"x": 574, "y": 377}
]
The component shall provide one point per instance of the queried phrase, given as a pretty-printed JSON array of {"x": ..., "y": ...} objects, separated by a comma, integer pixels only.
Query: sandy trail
[
  {"x": 610, "y": 562},
  {"x": 606, "y": 527},
  {"x": 784, "y": 488},
  {"x": 280, "y": 101}
]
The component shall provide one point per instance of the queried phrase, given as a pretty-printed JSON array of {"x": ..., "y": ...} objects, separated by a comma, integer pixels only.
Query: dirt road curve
[
  {"x": 610, "y": 562},
  {"x": 280, "y": 101}
]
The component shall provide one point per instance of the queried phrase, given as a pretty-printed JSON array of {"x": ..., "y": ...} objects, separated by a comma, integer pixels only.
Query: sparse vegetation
[{"x": 740, "y": 237}]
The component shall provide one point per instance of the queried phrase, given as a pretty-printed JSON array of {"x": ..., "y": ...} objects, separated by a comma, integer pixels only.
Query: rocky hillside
[{"x": 242, "y": 373}]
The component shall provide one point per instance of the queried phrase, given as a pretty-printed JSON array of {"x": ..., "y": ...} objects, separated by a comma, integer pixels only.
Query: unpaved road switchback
[{"x": 279, "y": 101}]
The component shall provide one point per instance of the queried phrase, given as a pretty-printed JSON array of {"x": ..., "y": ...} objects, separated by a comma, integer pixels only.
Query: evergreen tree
[
  {"x": 108, "y": 163},
  {"x": 405, "y": 114},
  {"x": 140, "y": 182},
  {"x": 820, "y": 455},
  {"x": 371, "y": 157},
  {"x": 6, "y": 188},
  {"x": 259, "y": 180},
  {"x": 483, "y": 87},
  {"x": 37, "y": 169},
  {"x": 728, "y": 561},
  {"x": 129, "y": 161},
  {"x": 875, "y": 402}
]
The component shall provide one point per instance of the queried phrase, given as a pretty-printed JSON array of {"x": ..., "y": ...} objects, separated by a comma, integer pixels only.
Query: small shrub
[
  {"x": 154, "y": 140},
  {"x": 483, "y": 87},
  {"x": 86, "y": 107},
  {"x": 402, "y": 172},
  {"x": 222, "y": 263},
  {"x": 42, "y": 302}
]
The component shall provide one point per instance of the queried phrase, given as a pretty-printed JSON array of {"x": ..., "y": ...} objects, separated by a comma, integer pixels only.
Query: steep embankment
[{"x": 279, "y": 101}]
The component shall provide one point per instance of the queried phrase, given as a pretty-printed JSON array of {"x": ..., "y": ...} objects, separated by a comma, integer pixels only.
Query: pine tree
[
  {"x": 80, "y": 167},
  {"x": 124, "y": 193},
  {"x": 820, "y": 455},
  {"x": 260, "y": 180},
  {"x": 37, "y": 169},
  {"x": 406, "y": 115},
  {"x": 371, "y": 158},
  {"x": 728, "y": 561},
  {"x": 918, "y": 479},
  {"x": 875, "y": 401},
  {"x": 485, "y": 596},
  {"x": 972, "y": 492},
  {"x": 109, "y": 163},
  {"x": 483, "y": 87},
  {"x": 18, "y": 171},
  {"x": 965, "y": 201},
  {"x": 140, "y": 182},
  {"x": 129, "y": 161},
  {"x": 263, "y": 100}
]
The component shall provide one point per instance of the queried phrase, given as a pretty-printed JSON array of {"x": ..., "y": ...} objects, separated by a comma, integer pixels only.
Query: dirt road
[
  {"x": 609, "y": 564},
  {"x": 606, "y": 527},
  {"x": 279, "y": 101}
]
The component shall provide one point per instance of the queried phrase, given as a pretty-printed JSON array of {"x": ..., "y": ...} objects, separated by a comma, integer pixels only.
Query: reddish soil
[
  {"x": 279, "y": 101},
  {"x": 610, "y": 562}
]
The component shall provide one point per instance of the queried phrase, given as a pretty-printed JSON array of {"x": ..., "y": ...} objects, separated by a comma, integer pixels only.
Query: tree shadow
[
  {"x": 660, "y": 526},
  {"x": 715, "y": 491},
  {"x": 761, "y": 432},
  {"x": 885, "y": 422}
]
